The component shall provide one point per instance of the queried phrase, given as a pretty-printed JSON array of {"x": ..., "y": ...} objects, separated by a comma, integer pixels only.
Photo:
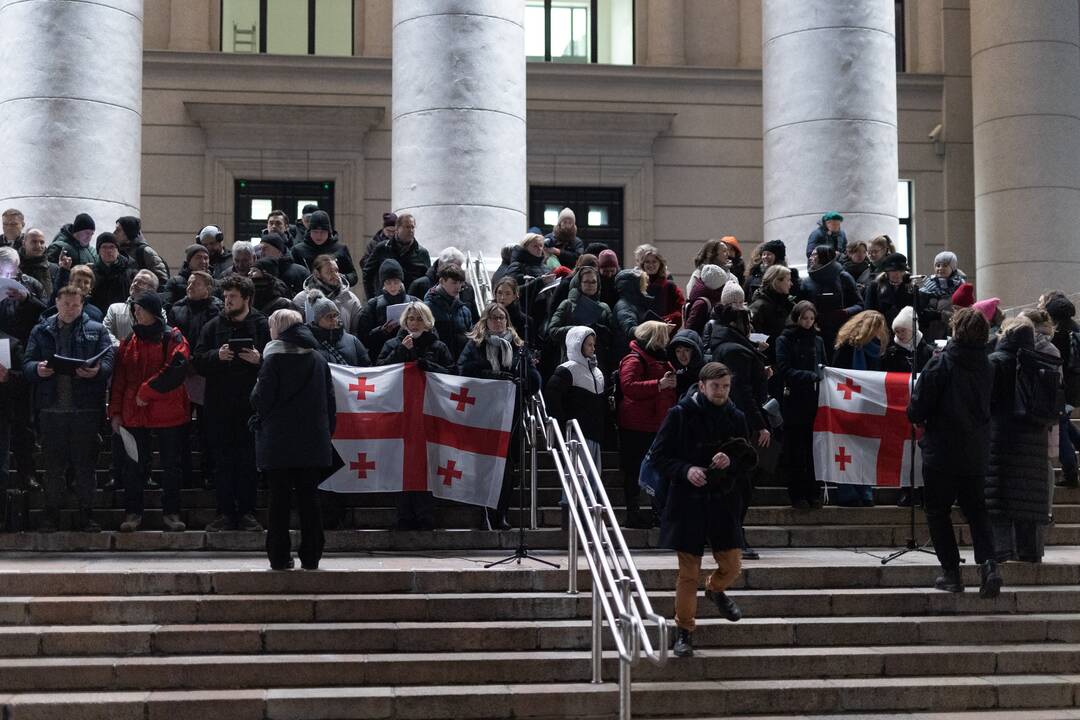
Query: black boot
[
  {"x": 990, "y": 587},
  {"x": 950, "y": 580},
  {"x": 727, "y": 607},
  {"x": 684, "y": 643},
  {"x": 87, "y": 523},
  {"x": 1069, "y": 478}
]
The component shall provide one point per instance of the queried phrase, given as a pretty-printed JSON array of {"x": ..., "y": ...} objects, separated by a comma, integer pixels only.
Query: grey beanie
[{"x": 321, "y": 307}]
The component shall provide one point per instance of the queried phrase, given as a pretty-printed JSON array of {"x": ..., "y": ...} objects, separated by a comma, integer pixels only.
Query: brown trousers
[{"x": 728, "y": 567}]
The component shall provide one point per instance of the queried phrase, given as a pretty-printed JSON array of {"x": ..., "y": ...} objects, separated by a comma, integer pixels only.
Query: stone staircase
[{"x": 825, "y": 632}]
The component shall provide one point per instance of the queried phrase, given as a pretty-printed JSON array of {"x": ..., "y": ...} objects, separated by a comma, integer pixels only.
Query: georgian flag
[
  {"x": 399, "y": 428},
  {"x": 861, "y": 432}
]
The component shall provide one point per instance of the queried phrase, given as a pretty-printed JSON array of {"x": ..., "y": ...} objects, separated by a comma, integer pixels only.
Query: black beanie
[
  {"x": 389, "y": 219},
  {"x": 1060, "y": 309},
  {"x": 130, "y": 225},
  {"x": 777, "y": 248},
  {"x": 83, "y": 222},
  {"x": 309, "y": 208},
  {"x": 268, "y": 266},
  {"x": 106, "y": 238},
  {"x": 893, "y": 261},
  {"x": 274, "y": 239},
  {"x": 390, "y": 269},
  {"x": 320, "y": 221},
  {"x": 150, "y": 302},
  {"x": 190, "y": 251}
]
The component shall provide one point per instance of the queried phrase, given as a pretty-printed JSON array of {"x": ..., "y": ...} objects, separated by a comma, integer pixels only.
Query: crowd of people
[{"x": 108, "y": 344}]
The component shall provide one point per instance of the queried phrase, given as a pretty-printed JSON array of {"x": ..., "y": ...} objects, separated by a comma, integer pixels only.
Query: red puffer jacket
[
  {"x": 643, "y": 405},
  {"x": 142, "y": 363}
]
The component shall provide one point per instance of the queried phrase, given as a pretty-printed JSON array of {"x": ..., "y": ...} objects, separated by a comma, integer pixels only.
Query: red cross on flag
[
  {"x": 861, "y": 431},
  {"x": 412, "y": 430}
]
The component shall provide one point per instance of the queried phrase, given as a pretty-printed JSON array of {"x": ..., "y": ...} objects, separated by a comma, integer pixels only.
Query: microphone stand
[{"x": 912, "y": 544}]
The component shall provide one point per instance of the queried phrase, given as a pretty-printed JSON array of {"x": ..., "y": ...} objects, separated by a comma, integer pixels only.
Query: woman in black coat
[
  {"x": 799, "y": 352},
  {"x": 294, "y": 419},
  {"x": 1017, "y": 485},
  {"x": 417, "y": 342}
]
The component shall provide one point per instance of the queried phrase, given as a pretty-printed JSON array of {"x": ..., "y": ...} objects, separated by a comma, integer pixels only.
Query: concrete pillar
[
  {"x": 189, "y": 26},
  {"x": 829, "y": 117},
  {"x": 667, "y": 38},
  {"x": 71, "y": 109},
  {"x": 459, "y": 121},
  {"x": 1025, "y": 64}
]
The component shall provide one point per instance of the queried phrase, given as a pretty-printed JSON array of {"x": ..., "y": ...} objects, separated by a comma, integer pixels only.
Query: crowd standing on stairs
[{"x": 106, "y": 344}]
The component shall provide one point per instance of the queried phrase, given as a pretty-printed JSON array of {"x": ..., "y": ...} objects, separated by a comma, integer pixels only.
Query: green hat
[{"x": 832, "y": 215}]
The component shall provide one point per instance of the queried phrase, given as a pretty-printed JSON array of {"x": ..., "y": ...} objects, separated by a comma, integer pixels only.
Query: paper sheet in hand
[
  {"x": 131, "y": 448},
  {"x": 759, "y": 338},
  {"x": 393, "y": 312},
  {"x": 68, "y": 366},
  {"x": 9, "y": 284},
  {"x": 5, "y": 353}
]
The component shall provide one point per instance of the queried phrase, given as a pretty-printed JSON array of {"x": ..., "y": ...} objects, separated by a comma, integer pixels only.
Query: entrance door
[
  {"x": 599, "y": 212},
  {"x": 256, "y": 198}
]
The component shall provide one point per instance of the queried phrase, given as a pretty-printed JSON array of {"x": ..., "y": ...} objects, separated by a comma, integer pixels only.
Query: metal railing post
[
  {"x": 598, "y": 616},
  {"x": 627, "y": 630},
  {"x": 533, "y": 480}
]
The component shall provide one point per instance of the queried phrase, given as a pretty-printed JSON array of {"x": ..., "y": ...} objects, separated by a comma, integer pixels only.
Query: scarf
[
  {"x": 500, "y": 352},
  {"x": 861, "y": 355},
  {"x": 148, "y": 332}
]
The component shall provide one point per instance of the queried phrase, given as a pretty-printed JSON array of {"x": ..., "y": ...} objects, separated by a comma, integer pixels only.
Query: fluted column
[
  {"x": 459, "y": 121},
  {"x": 1025, "y": 74},
  {"x": 829, "y": 117},
  {"x": 71, "y": 109}
]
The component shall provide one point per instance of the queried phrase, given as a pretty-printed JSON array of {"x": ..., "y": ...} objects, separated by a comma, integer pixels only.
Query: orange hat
[{"x": 731, "y": 242}]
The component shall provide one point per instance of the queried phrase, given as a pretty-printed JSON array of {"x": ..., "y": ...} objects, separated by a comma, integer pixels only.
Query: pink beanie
[{"x": 987, "y": 307}]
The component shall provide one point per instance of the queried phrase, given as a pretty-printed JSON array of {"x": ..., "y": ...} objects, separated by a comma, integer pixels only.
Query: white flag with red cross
[
  {"x": 861, "y": 432},
  {"x": 400, "y": 428}
]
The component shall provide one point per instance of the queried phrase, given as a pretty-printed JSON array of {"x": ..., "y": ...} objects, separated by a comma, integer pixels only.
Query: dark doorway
[
  {"x": 256, "y": 198},
  {"x": 599, "y": 212}
]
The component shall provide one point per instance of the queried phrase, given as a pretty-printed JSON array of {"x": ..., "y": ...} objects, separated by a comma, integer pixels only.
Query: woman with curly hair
[{"x": 668, "y": 298}]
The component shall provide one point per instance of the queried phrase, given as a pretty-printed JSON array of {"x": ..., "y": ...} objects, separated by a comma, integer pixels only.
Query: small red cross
[
  {"x": 361, "y": 387},
  {"x": 462, "y": 399},
  {"x": 843, "y": 458},
  {"x": 361, "y": 466},
  {"x": 848, "y": 387},
  {"x": 449, "y": 474}
]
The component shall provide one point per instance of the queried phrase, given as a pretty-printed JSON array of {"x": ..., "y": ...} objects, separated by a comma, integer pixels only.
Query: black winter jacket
[
  {"x": 190, "y": 316},
  {"x": 453, "y": 319},
  {"x": 305, "y": 253},
  {"x": 749, "y": 385},
  {"x": 631, "y": 309},
  {"x": 435, "y": 356},
  {"x": 369, "y": 324},
  {"x": 112, "y": 283},
  {"x": 414, "y": 261},
  {"x": 888, "y": 299},
  {"x": 229, "y": 384},
  {"x": 339, "y": 347},
  {"x": 798, "y": 354}
]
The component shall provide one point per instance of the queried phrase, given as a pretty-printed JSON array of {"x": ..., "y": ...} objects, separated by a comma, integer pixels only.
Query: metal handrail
[
  {"x": 618, "y": 594},
  {"x": 476, "y": 274}
]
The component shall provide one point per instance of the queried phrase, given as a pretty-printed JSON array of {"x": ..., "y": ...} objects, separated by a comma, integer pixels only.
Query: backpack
[
  {"x": 614, "y": 387},
  {"x": 1036, "y": 397},
  {"x": 689, "y": 305},
  {"x": 140, "y": 259},
  {"x": 1072, "y": 369}
]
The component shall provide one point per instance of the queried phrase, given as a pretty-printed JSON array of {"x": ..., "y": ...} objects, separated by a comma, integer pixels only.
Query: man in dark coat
[
  {"x": 453, "y": 318},
  {"x": 130, "y": 239},
  {"x": 403, "y": 248},
  {"x": 33, "y": 262},
  {"x": 228, "y": 354},
  {"x": 702, "y": 499},
  {"x": 1062, "y": 311},
  {"x": 221, "y": 260},
  {"x": 372, "y": 327},
  {"x": 113, "y": 273},
  {"x": 386, "y": 232},
  {"x": 273, "y": 247},
  {"x": 74, "y": 241},
  {"x": 196, "y": 258},
  {"x": 951, "y": 402},
  {"x": 828, "y": 233},
  {"x": 321, "y": 239}
]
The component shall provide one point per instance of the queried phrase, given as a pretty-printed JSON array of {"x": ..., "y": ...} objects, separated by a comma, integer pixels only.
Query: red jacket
[
  {"x": 668, "y": 299},
  {"x": 643, "y": 405},
  {"x": 138, "y": 362}
]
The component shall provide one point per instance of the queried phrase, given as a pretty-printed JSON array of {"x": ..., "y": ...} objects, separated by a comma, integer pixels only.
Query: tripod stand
[{"x": 912, "y": 544}]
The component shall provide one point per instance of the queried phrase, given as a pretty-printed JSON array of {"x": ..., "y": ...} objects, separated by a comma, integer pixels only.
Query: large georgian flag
[
  {"x": 861, "y": 432},
  {"x": 400, "y": 428}
]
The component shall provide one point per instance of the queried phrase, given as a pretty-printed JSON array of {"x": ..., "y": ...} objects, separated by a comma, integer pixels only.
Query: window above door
[{"x": 287, "y": 27}]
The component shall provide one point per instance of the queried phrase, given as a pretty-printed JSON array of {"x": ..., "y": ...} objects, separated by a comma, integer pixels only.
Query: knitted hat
[
  {"x": 904, "y": 318},
  {"x": 987, "y": 307},
  {"x": 732, "y": 294},
  {"x": 322, "y": 307},
  {"x": 713, "y": 276},
  {"x": 567, "y": 213},
  {"x": 732, "y": 244},
  {"x": 390, "y": 269},
  {"x": 947, "y": 257},
  {"x": 309, "y": 208},
  {"x": 189, "y": 251},
  {"x": 106, "y": 238},
  {"x": 964, "y": 296},
  {"x": 83, "y": 222},
  {"x": 319, "y": 221},
  {"x": 268, "y": 266},
  {"x": 1060, "y": 309},
  {"x": 150, "y": 302},
  {"x": 893, "y": 261},
  {"x": 832, "y": 215},
  {"x": 608, "y": 259},
  {"x": 389, "y": 219},
  {"x": 777, "y": 248},
  {"x": 131, "y": 226},
  {"x": 274, "y": 240}
]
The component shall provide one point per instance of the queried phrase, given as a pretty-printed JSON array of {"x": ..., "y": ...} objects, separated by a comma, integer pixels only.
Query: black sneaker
[
  {"x": 220, "y": 523},
  {"x": 287, "y": 566},
  {"x": 990, "y": 587},
  {"x": 684, "y": 643},
  {"x": 248, "y": 523},
  {"x": 950, "y": 581},
  {"x": 750, "y": 553},
  {"x": 905, "y": 498},
  {"x": 1069, "y": 479},
  {"x": 727, "y": 607}
]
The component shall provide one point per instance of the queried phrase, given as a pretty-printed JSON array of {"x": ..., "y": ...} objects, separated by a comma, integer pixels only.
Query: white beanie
[
  {"x": 567, "y": 212},
  {"x": 904, "y": 318},
  {"x": 732, "y": 294},
  {"x": 713, "y": 276}
]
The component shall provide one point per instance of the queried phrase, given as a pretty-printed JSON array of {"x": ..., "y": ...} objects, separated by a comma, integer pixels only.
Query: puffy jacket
[
  {"x": 749, "y": 384},
  {"x": 339, "y": 347},
  {"x": 144, "y": 257},
  {"x": 348, "y": 304},
  {"x": 567, "y": 317},
  {"x": 888, "y": 299},
  {"x": 436, "y": 357},
  {"x": 633, "y": 306},
  {"x": 304, "y": 253},
  {"x": 88, "y": 338},
  {"x": 798, "y": 354},
  {"x": 821, "y": 236},
  {"x": 112, "y": 282},
  {"x": 191, "y": 316},
  {"x": 524, "y": 266},
  {"x": 835, "y": 296},
  {"x": 152, "y": 371},
  {"x": 700, "y": 302},
  {"x": 65, "y": 241},
  {"x": 576, "y": 389},
  {"x": 453, "y": 319},
  {"x": 568, "y": 252},
  {"x": 643, "y": 405},
  {"x": 414, "y": 261},
  {"x": 369, "y": 325}
]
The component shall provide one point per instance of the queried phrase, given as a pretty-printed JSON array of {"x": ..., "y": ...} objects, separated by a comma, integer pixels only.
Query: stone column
[
  {"x": 667, "y": 36},
  {"x": 1025, "y": 65},
  {"x": 829, "y": 117},
  {"x": 459, "y": 121},
  {"x": 71, "y": 109}
]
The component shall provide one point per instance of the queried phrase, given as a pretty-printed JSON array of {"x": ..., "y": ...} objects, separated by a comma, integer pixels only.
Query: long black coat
[
  {"x": 294, "y": 402},
  {"x": 229, "y": 384},
  {"x": 690, "y": 435},
  {"x": 749, "y": 384},
  {"x": 835, "y": 296},
  {"x": 1017, "y": 484},
  {"x": 798, "y": 354},
  {"x": 952, "y": 403}
]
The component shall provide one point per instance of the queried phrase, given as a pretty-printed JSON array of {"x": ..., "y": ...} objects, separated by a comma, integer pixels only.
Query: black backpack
[
  {"x": 614, "y": 387},
  {"x": 1036, "y": 395},
  {"x": 1072, "y": 369}
]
